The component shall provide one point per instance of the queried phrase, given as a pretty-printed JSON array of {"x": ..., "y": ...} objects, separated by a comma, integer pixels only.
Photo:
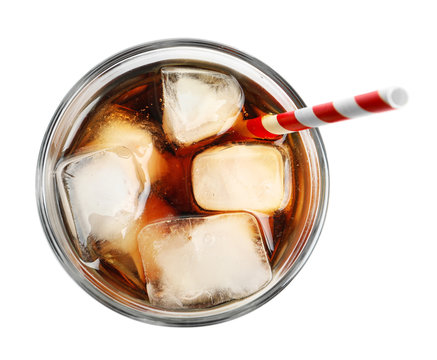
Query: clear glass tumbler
[{"x": 68, "y": 119}]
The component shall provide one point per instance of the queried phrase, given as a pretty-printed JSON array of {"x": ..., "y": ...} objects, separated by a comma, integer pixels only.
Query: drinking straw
[{"x": 272, "y": 126}]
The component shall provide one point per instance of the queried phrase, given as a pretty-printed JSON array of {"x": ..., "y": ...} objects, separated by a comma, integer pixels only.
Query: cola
[{"x": 164, "y": 152}]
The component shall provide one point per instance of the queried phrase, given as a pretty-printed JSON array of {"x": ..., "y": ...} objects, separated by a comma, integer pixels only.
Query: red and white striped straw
[{"x": 271, "y": 126}]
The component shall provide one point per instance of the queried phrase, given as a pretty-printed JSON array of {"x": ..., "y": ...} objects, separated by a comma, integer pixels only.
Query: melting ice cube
[
  {"x": 198, "y": 262},
  {"x": 240, "y": 177},
  {"x": 198, "y": 103},
  {"x": 116, "y": 126},
  {"x": 102, "y": 195}
]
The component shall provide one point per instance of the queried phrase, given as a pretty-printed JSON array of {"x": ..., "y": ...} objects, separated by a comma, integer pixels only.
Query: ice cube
[
  {"x": 198, "y": 103},
  {"x": 102, "y": 194},
  {"x": 240, "y": 177},
  {"x": 203, "y": 261},
  {"x": 116, "y": 126}
]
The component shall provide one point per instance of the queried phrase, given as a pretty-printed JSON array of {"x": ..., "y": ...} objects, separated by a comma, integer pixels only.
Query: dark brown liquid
[{"x": 136, "y": 98}]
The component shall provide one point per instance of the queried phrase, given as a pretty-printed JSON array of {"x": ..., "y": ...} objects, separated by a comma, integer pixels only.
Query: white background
[{"x": 369, "y": 289}]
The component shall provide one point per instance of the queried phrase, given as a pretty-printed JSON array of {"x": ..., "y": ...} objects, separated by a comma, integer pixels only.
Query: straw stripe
[
  {"x": 349, "y": 108},
  {"x": 394, "y": 96},
  {"x": 256, "y": 127},
  {"x": 288, "y": 121},
  {"x": 372, "y": 102},
  {"x": 328, "y": 113},
  {"x": 272, "y": 125},
  {"x": 307, "y": 117}
]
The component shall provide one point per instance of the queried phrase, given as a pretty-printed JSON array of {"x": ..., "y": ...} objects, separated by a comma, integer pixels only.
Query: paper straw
[{"x": 272, "y": 126}]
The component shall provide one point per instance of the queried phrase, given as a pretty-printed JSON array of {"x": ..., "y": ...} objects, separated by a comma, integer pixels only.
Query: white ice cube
[
  {"x": 198, "y": 103},
  {"x": 102, "y": 192},
  {"x": 120, "y": 127},
  {"x": 240, "y": 177},
  {"x": 203, "y": 261}
]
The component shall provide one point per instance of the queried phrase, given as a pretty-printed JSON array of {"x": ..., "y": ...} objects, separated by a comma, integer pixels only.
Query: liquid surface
[{"x": 127, "y": 125}]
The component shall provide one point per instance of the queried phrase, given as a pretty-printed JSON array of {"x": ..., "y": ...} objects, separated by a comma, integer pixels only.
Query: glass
[{"x": 90, "y": 90}]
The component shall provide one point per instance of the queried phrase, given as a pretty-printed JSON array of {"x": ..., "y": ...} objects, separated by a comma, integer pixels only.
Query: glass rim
[{"x": 136, "y": 314}]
